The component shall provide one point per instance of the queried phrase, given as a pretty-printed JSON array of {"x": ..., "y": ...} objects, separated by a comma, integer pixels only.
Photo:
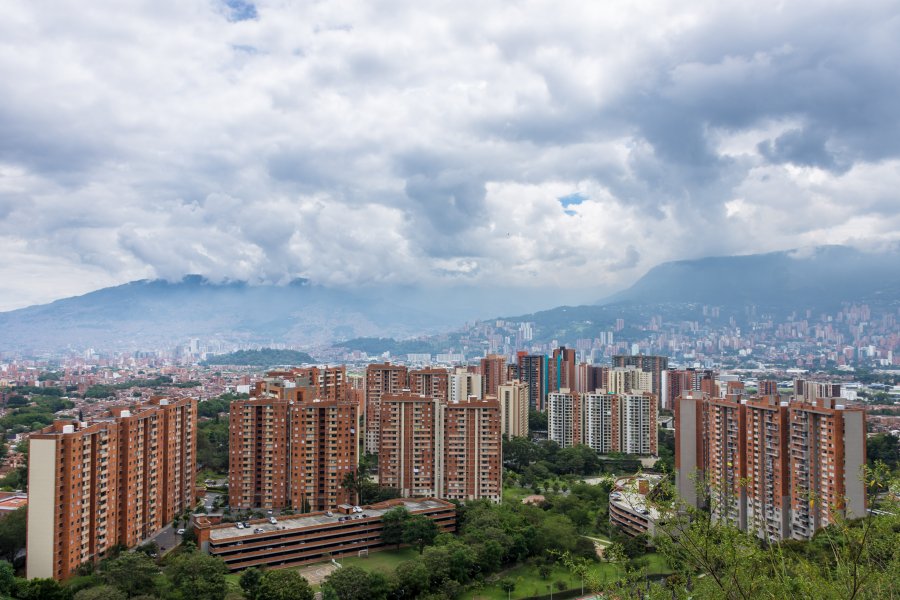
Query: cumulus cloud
[{"x": 529, "y": 144}]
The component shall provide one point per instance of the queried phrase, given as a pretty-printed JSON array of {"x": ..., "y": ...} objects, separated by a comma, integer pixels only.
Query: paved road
[{"x": 166, "y": 539}]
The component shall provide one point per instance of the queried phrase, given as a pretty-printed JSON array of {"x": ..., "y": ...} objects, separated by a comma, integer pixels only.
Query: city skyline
[{"x": 528, "y": 146}]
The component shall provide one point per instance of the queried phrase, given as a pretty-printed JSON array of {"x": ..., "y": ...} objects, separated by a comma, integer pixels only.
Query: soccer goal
[{"x": 364, "y": 553}]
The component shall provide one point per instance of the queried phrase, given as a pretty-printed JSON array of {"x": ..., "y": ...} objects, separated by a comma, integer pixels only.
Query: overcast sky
[{"x": 540, "y": 144}]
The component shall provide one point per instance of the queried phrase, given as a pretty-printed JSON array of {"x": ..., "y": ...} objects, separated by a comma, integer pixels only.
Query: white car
[{"x": 180, "y": 532}]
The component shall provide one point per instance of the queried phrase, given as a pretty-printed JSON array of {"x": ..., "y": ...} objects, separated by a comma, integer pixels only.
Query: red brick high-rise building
[
  {"x": 532, "y": 370},
  {"x": 493, "y": 374},
  {"x": 291, "y": 448},
  {"x": 258, "y": 447},
  {"x": 726, "y": 470},
  {"x": 433, "y": 382},
  {"x": 778, "y": 469},
  {"x": 827, "y": 454},
  {"x": 381, "y": 379},
  {"x": 469, "y": 452},
  {"x": 406, "y": 452},
  {"x": 448, "y": 450},
  {"x": 562, "y": 369},
  {"x": 112, "y": 482},
  {"x": 768, "y": 467},
  {"x": 679, "y": 381},
  {"x": 324, "y": 447}
]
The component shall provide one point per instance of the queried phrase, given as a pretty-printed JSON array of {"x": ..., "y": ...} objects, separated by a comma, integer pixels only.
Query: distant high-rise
[
  {"x": 809, "y": 391},
  {"x": 563, "y": 418},
  {"x": 562, "y": 369},
  {"x": 380, "y": 379},
  {"x": 464, "y": 384},
  {"x": 624, "y": 380},
  {"x": 655, "y": 365},
  {"x": 533, "y": 372},
  {"x": 638, "y": 423},
  {"x": 493, "y": 374},
  {"x": 513, "y": 397},
  {"x": 600, "y": 421},
  {"x": 590, "y": 377},
  {"x": 678, "y": 381},
  {"x": 767, "y": 387},
  {"x": 322, "y": 383},
  {"x": 433, "y": 382}
]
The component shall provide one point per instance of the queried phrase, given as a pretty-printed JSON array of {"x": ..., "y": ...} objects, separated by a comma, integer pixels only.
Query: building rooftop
[
  {"x": 629, "y": 496},
  {"x": 228, "y": 531},
  {"x": 10, "y": 501}
]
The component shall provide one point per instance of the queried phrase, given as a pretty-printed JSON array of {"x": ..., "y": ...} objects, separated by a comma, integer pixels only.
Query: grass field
[
  {"x": 385, "y": 561},
  {"x": 529, "y": 583}
]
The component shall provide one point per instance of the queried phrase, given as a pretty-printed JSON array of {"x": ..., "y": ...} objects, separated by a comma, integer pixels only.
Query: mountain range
[{"x": 151, "y": 314}]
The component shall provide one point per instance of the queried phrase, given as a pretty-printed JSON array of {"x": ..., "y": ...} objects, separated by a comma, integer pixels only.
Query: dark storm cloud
[{"x": 806, "y": 147}]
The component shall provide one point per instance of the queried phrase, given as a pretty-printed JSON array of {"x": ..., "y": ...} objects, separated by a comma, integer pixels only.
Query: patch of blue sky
[
  {"x": 571, "y": 200},
  {"x": 240, "y": 10}
]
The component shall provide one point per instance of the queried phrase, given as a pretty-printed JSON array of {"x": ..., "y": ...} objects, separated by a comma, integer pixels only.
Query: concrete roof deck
[
  {"x": 286, "y": 523},
  {"x": 632, "y": 500}
]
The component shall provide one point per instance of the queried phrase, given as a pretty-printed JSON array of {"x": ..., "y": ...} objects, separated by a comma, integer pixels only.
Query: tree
[
  {"x": 393, "y": 524},
  {"x": 40, "y": 589},
  {"x": 198, "y": 576},
  {"x": 101, "y": 592},
  {"x": 614, "y": 553},
  {"x": 635, "y": 546},
  {"x": 284, "y": 585},
  {"x": 555, "y": 532},
  {"x": 212, "y": 445},
  {"x": 12, "y": 533},
  {"x": 133, "y": 573},
  {"x": 507, "y": 585},
  {"x": 884, "y": 447},
  {"x": 250, "y": 581},
  {"x": 7, "y": 578},
  {"x": 350, "y": 583},
  {"x": 412, "y": 579},
  {"x": 537, "y": 421},
  {"x": 518, "y": 453},
  {"x": 419, "y": 530}
]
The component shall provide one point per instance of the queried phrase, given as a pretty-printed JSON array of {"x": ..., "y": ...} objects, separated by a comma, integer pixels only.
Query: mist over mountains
[
  {"x": 158, "y": 314},
  {"x": 779, "y": 284},
  {"x": 821, "y": 277}
]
